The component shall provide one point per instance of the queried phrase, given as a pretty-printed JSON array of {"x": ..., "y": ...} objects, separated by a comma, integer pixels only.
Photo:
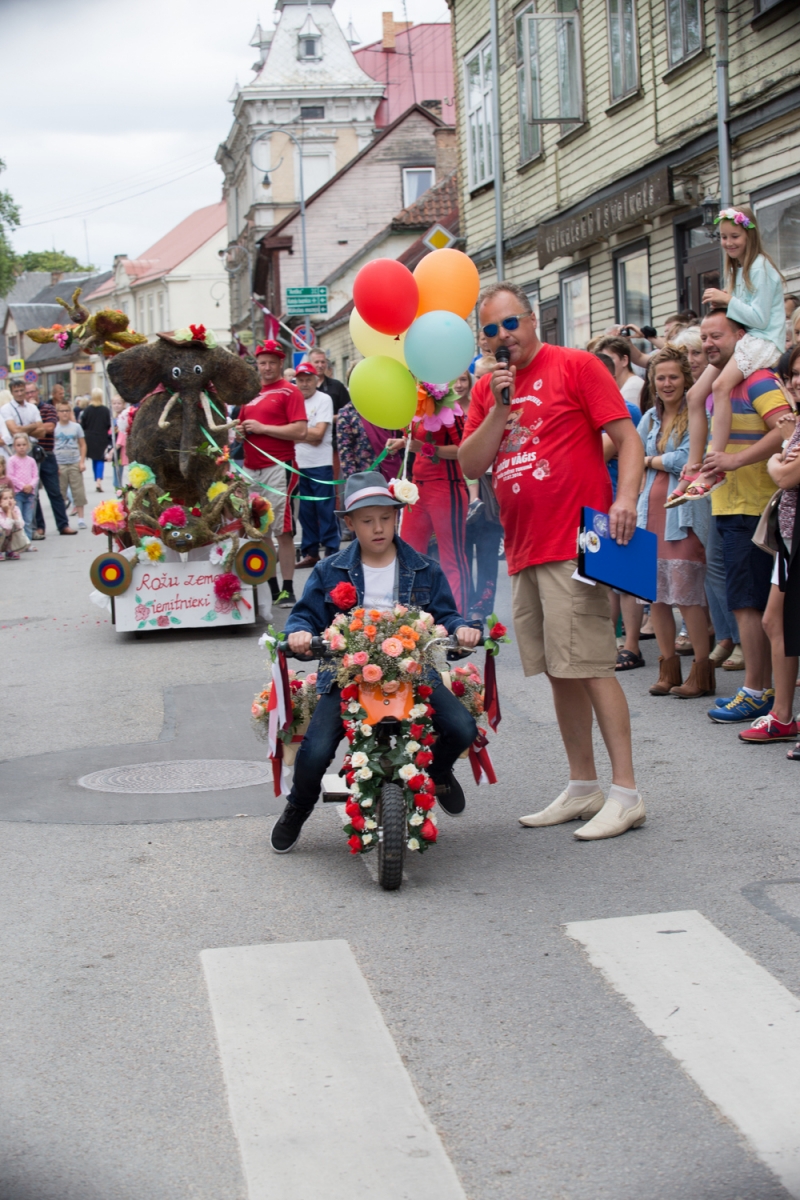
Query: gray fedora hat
[{"x": 365, "y": 488}]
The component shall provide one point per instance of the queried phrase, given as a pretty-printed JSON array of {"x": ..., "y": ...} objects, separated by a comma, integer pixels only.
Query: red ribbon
[
  {"x": 277, "y": 763},
  {"x": 480, "y": 761},
  {"x": 491, "y": 700},
  {"x": 287, "y": 691}
]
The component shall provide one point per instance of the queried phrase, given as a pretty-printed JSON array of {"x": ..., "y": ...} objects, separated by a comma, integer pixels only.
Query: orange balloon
[{"x": 449, "y": 280}]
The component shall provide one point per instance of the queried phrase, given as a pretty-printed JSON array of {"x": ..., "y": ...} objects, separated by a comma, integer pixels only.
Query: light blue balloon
[{"x": 439, "y": 347}]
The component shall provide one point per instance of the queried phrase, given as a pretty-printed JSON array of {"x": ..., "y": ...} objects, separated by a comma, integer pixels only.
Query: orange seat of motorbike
[{"x": 378, "y": 705}]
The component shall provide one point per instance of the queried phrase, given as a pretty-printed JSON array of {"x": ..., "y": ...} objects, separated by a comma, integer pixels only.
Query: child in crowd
[
  {"x": 384, "y": 571},
  {"x": 12, "y": 527},
  {"x": 754, "y": 300},
  {"x": 70, "y": 452},
  {"x": 23, "y": 475}
]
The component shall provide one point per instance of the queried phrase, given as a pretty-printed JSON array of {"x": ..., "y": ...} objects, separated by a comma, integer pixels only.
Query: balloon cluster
[{"x": 410, "y": 325}]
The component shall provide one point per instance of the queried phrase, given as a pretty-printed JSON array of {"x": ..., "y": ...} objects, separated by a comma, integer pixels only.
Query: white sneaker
[
  {"x": 612, "y": 820},
  {"x": 565, "y": 808},
  {"x": 81, "y": 523}
]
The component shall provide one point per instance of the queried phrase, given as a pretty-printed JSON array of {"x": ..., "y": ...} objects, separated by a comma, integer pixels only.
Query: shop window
[
  {"x": 779, "y": 222},
  {"x": 549, "y": 320},
  {"x": 416, "y": 182},
  {"x": 684, "y": 29},
  {"x": 553, "y": 66},
  {"x": 575, "y": 307},
  {"x": 479, "y": 84},
  {"x": 530, "y": 137},
  {"x": 632, "y": 267},
  {"x": 622, "y": 48}
]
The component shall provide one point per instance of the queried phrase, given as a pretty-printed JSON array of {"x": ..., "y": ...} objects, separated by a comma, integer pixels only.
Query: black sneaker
[
  {"x": 450, "y": 796},
  {"x": 287, "y": 829},
  {"x": 287, "y": 599}
]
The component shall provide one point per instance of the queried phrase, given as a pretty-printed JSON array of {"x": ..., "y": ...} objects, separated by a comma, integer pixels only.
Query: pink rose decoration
[
  {"x": 141, "y": 612},
  {"x": 361, "y": 658},
  {"x": 372, "y": 673},
  {"x": 163, "y": 620},
  {"x": 392, "y": 646},
  {"x": 312, "y": 678},
  {"x": 392, "y": 686},
  {"x": 411, "y": 667},
  {"x": 337, "y": 642},
  {"x": 255, "y": 709},
  {"x": 347, "y": 661}
]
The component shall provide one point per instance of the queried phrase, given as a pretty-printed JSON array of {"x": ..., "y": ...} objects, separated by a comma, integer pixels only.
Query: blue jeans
[
  {"x": 48, "y": 476},
  {"x": 27, "y": 504},
  {"x": 318, "y": 517},
  {"x": 723, "y": 620},
  {"x": 455, "y": 726},
  {"x": 485, "y": 537}
]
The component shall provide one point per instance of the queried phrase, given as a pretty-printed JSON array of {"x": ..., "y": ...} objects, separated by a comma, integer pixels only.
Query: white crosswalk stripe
[
  {"x": 321, "y": 1103},
  {"x": 730, "y": 1024}
]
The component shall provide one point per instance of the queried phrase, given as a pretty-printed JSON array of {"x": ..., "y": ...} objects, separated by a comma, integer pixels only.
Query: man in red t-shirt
[
  {"x": 270, "y": 425},
  {"x": 547, "y": 452}
]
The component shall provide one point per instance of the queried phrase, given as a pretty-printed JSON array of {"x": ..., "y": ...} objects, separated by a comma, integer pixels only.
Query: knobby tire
[{"x": 392, "y": 844}]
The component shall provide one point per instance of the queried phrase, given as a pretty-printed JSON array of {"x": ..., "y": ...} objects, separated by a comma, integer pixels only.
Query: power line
[{"x": 86, "y": 212}]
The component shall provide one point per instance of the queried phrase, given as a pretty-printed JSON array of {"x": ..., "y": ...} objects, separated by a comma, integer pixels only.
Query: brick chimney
[
  {"x": 446, "y": 151},
  {"x": 388, "y": 42}
]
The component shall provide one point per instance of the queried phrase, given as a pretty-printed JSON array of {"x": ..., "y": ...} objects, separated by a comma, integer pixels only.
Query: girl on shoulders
[{"x": 754, "y": 299}]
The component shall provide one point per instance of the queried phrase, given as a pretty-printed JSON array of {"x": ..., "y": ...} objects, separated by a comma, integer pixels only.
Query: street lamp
[
  {"x": 709, "y": 206},
  {"x": 267, "y": 133}
]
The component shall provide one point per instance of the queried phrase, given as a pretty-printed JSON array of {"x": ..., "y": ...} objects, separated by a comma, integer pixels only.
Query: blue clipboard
[{"x": 632, "y": 568}]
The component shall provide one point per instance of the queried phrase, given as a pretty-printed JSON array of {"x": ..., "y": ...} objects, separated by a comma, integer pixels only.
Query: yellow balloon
[
  {"x": 370, "y": 342},
  {"x": 383, "y": 391}
]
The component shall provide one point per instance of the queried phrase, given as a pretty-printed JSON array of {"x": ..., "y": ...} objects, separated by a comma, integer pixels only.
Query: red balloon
[{"x": 386, "y": 295}]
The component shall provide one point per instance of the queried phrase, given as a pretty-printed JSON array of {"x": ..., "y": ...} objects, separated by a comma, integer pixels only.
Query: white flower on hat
[{"x": 404, "y": 490}]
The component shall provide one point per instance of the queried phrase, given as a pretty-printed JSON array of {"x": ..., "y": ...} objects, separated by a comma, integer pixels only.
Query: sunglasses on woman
[{"x": 510, "y": 323}]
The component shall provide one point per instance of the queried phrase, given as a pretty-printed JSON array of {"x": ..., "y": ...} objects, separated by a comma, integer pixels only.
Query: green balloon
[{"x": 383, "y": 391}]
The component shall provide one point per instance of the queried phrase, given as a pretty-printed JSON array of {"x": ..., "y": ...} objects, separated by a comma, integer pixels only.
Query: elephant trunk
[{"x": 190, "y": 433}]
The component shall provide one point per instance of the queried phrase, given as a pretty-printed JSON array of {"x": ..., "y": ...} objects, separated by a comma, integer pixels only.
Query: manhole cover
[{"x": 184, "y": 775}]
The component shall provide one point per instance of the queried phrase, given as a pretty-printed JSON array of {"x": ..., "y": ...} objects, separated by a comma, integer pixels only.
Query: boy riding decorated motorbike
[{"x": 377, "y": 574}]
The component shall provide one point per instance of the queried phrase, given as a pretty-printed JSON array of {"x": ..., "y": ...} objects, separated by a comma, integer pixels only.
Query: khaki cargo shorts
[
  {"x": 70, "y": 476},
  {"x": 562, "y": 626}
]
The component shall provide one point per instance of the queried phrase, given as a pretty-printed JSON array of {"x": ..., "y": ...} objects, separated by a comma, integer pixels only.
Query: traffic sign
[
  {"x": 302, "y": 301},
  {"x": 438, "y": 238},
  {"x": 3, "y": 372},
  {"x": 16, "y": 366},
  {"x": 31, "y": 376},
  {"x": 304, "y": 338}
]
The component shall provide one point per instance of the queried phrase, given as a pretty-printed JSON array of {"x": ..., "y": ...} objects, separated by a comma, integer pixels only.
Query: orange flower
[
  {"x": 408, "y": 643},
  {"x": 355, "y": 625},
  {"x": 405, "y": 631},
  {"x": 375, "y": 613},
  {"x": 358, "y": 612},
  {"x": 370, "y": 631}
]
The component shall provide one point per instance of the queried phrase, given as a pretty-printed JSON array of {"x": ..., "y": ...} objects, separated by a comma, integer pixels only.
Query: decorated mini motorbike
[{"x": 387, "y": 658}]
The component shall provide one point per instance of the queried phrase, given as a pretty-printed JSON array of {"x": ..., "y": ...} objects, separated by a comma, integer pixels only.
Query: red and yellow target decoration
[
  {"x": 255, "y": 562},
  {"x": 111, "y": 574}
]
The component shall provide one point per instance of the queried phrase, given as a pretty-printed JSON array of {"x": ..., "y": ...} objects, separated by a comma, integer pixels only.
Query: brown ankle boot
[
  {"x": 669, "y": 675},
  {"x": 701, "y": 681}
]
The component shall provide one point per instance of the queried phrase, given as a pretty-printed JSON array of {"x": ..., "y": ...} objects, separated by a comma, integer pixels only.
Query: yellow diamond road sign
[{"x": 438, "y": 238}]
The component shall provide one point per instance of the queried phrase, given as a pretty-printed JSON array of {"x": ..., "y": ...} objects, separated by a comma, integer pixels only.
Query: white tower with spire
[{"x": 308, "y": 81}]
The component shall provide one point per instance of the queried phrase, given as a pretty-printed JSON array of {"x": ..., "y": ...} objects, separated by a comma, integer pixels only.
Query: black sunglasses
[{"x": 510, "y": 324}]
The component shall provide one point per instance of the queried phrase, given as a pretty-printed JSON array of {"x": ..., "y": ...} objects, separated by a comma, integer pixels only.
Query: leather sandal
[
  {"x": 628, "y": 661},
  {"x": 699, "y": 490}
]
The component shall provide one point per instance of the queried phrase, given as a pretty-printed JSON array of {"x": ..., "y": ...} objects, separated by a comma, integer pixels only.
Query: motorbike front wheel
[{"x": 391, "y": 818}]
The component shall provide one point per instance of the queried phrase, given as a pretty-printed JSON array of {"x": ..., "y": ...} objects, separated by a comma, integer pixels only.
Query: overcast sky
[{"x": 111, "y": 113}]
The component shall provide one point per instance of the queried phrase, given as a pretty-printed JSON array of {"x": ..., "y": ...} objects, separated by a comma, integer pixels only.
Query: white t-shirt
[
  {"x": 379, "y": 586},
  {"x": 632, "y": 389},
  {"x": 21, "y": 414},
  {"x": 319, "y": 407}
]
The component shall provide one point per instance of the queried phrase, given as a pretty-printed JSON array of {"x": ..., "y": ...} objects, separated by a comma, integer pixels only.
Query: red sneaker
[{"x": 768, "y": 729}]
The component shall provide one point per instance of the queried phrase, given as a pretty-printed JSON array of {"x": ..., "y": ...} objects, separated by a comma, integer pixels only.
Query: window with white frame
[
  {"x": 416, "y": 182},
  {"x": 478, "y": 85},
  {"x": 530, "y": 136},
  {"x": 162, "y": 310},
  {"x": 552, "y": 66},
  {"x": 633, "y": 286},
  {"x": 151, "y": 317},
  {"x": 778, "y": 219},
  {"x": 622, "y": 48},
  {"x": 141, "y": 314},
  {"x": 575, "y": 307},
  {"x": 684, "y": 29}
]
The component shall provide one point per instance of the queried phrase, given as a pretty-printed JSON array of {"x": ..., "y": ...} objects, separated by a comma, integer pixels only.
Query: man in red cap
[{"x": 270, "y": 425}]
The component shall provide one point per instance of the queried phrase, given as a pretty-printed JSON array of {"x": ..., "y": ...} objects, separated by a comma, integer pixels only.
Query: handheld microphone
[{"x": 503, "y": 355}]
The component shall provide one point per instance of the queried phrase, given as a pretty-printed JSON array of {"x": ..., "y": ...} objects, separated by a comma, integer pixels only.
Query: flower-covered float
[
  {"x": 187, "y": 533},
  {"x": 387, "y": 664}
]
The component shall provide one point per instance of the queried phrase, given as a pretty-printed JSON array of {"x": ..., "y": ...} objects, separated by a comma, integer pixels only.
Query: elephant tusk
[
  {"x": 210, "y": 419},
  {"x": 162, "y": 420}
]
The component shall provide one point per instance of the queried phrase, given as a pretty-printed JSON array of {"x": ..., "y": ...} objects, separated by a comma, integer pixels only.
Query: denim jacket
[
  {"x": 421, "y": 584},
  {"x": 679, "y": 520}
]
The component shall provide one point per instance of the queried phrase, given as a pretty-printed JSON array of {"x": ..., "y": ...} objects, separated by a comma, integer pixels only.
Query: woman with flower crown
[{"x": 436, "y": 433}]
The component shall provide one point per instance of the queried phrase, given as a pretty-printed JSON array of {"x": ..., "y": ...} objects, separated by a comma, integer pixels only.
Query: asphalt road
[{"x": 541, "y": 1079}]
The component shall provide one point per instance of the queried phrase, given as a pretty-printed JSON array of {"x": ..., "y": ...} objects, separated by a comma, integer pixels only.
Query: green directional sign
[{"x": 303, "y": 300}]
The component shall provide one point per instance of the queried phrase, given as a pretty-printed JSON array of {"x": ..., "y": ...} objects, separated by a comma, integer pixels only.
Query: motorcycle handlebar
[{"x": 319, "y": 647}]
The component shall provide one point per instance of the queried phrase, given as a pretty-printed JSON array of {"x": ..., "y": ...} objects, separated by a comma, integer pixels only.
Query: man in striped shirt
[{"x": 756, "y": 433}]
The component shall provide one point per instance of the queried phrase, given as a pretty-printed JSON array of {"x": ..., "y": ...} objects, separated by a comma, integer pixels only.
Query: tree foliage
[
  {"x": 48, "y": 260},
  {"x": 9, "y": 219}
]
